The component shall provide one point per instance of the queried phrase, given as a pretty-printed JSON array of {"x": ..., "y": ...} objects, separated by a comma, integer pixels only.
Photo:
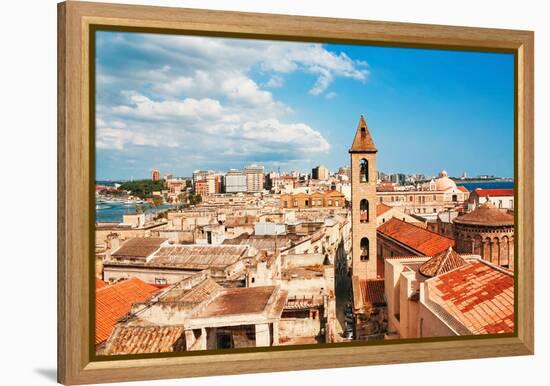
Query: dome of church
[
  {"x": 486, "y": 215},
  {"x": 444, "y": 182}
]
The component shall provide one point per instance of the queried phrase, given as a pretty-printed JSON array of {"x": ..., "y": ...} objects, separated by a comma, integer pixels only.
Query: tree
[
  {"x": 157, "y": 200},
  {"x": 143, "y": 188},
  {"x": 195, "y": 199},
  {"x": 182, "y": 197}
]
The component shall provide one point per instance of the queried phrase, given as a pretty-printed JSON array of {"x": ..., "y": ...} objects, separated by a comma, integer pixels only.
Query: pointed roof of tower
[{"x": 363, "y": 141}]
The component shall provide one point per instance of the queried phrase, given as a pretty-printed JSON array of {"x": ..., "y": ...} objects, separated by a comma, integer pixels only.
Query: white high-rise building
[{"x": 235, "y": 181}]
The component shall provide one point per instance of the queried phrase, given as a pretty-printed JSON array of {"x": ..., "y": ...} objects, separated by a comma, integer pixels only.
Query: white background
[{"x": 28, "y": 190}]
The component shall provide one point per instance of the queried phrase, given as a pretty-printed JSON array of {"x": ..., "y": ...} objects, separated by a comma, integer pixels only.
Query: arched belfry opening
[
  {"x": 364, "y": 210},
  {"x": 364, "y": 170},
  {"x": 364, "y": 249}
]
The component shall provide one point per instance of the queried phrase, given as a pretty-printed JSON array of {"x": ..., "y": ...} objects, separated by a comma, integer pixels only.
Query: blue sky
[{"x": 181, "y": 103}]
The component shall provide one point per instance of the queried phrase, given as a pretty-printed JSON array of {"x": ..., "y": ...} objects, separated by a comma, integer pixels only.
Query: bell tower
[{"x": 363, "y": 202}]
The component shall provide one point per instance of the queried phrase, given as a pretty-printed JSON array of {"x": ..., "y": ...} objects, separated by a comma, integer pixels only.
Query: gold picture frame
[{"x": 77, "y": 22}]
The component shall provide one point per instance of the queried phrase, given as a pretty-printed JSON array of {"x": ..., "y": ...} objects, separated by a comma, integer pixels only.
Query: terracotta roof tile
[
  {"x": 372, "y": 291},
  {"x": 478, "y": 295},
  {"x": 194, "y": 295},
  {"x": 381, "y": 209},
  {"x": 114, "y": 301},
  {"x": 426, "y": 242},
  {"x": 441, "y": 263},
  {"x": 99, "y": 284},
  {"x": 494, "y": 192},
  {"x": 145, "y": 339},
  {"x": 462, "y": 189}
]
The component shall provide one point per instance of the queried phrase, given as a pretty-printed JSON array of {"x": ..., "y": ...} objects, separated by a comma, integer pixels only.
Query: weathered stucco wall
[{"x": 298, "y": 327}]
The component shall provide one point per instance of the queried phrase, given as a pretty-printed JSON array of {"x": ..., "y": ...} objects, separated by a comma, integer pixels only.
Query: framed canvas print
[{"x": 249, "y": 192}]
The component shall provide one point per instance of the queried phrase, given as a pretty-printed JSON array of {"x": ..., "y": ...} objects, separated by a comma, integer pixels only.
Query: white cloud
[
  {"x": 174, "y": 86},
  {"x": 323, "y": 81},
  {"x": 183, "y": 124},
  {"x": 298, "y": 135},
  {"x": 275, "y": 81},
  {"x": 314, "y": 59},
  {"x": 198, "y": 94},
  {"x": 142, "y": 106},
  {"x": 229, "y": 55},
  {"x": 109, "y": 138}
]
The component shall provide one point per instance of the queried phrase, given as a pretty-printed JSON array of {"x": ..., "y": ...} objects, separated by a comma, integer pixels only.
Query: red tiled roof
[
  {"x": 494, "y": 192},
  {"x": 381, "y": 209},
  {"x": 404, "y": 257},
  {"x": 441, "y": 263},
  {"x": 372, "y": 291},
  {"x": 114, "y": 301},
  {"x": 462, "y": 189},
  {"x": 426, "y": 242},
  {"x": 99, "y": 283},
  {"x": 363, "y": 141},
  {"x": 145, "y": 339},
  {"x": 478, "y": 295}
]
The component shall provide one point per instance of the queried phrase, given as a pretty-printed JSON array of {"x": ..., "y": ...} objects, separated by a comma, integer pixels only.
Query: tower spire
[
  {"x": 365, "y": 264},
  {"x": 363, "y": 140}
]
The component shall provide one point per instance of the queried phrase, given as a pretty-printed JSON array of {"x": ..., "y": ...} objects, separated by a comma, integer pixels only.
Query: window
[
  {"x": 364, "y": 249},
  {"x": 500, "y": 203},
  {"x": 364, "y": 170},
  {"x": 336, "y": 203},
  {"x": 161, "y": 281},
  {"x": 455, "y": 198},
  {"x": 307, "y": 202},
  {"x": 364, "y": 210}
]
